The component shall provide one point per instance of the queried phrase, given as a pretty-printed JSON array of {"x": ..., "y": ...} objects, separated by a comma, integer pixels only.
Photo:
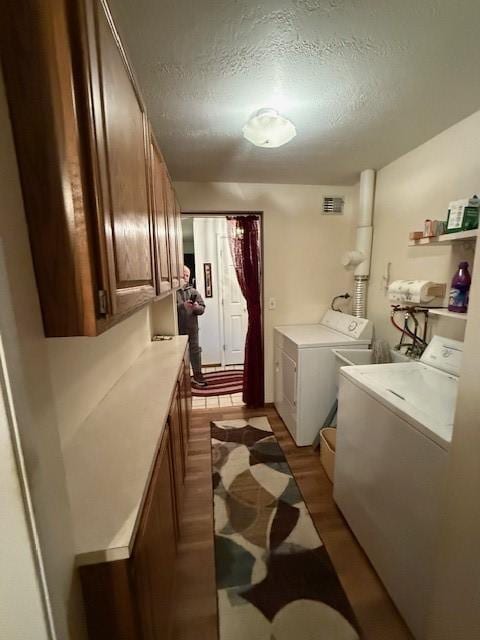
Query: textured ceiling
[{"x": 364, "y": 81}]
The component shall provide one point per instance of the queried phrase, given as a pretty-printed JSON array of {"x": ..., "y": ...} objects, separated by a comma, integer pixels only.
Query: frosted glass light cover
[{"x": 267, "y": 128}]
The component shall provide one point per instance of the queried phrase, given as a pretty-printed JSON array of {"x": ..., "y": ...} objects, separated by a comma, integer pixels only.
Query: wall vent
[{"x": 333, "y": 205}]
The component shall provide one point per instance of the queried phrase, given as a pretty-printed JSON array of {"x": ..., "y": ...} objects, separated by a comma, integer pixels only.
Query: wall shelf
[
  {"x": 446, "y": 238},
  {"x": 448, "y": 314}
]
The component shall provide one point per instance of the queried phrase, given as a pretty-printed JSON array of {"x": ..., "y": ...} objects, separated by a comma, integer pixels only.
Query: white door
[{"x": 234, "y": 308}]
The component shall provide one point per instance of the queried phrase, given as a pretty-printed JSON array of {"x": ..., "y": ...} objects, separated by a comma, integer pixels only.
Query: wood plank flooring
[{"x": 195, "y": 615}]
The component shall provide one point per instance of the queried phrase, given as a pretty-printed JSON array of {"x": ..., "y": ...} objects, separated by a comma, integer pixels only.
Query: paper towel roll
[{"x": 415, "y": 291}]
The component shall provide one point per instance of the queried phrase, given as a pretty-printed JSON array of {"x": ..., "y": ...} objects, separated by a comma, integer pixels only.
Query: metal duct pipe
[
  {"x": 363, "y": 249},
  {"x": 359, "y": 298}
]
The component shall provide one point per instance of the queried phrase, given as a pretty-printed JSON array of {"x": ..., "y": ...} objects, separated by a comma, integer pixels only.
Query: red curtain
[{"x": 244, "y": 234}]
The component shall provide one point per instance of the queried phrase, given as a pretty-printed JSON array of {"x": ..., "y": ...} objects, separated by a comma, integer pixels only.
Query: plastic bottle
[{"x": 458, "y": 300}]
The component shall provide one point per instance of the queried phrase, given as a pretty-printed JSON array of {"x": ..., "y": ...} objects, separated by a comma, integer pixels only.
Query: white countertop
[{"x": 109, "y": 460}]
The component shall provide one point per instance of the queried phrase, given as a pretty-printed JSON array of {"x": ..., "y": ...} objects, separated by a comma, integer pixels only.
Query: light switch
[{"x": 272, "y": 303}]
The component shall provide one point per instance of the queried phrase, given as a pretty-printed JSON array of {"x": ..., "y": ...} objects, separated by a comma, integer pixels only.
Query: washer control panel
[
  {"x": 444, "y": 354},
  {"x": 357, "y": 328}
]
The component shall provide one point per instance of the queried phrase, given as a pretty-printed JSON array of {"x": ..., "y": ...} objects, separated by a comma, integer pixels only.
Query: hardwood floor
[{"x": 195, "y": 615}]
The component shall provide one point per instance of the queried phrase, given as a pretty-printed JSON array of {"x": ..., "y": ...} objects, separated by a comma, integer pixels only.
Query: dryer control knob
[{"x": 353, "y": 325}]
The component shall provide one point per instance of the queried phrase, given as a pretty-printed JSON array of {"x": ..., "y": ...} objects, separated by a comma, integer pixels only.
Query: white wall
[
  {"x": 163, "y": 315},
  {"x": 188, "y": 246},
  {"x": 206, "y": 231},
  {"x": 302, "y": 248},
  {"x": 417, "y": 186},
  {"x": 83, "y": 370},
  {"x": 187, "y": 229},
  {"x": 27, "y": 361}
]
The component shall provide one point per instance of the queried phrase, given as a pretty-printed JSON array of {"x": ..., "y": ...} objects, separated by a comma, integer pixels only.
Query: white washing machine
[
  {"x": 305, "y": 370},
  {"x": 394, "y": 429}
]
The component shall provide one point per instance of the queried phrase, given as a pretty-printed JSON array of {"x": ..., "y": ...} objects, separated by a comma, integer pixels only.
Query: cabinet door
[
  {"x": 172, "y": 230},
  {"x": 121, "y": 148},
  {"x": 187, "y": 391},
  {"x": 159, "y": 180},
  {"x": 37, "y": 66},
  {"x": 178, "y": 218},
  {"x": 178, "y": 452},
  {"x": 153, "y": 559},
  {"x": 185, "y": 401},
  {"x": 184, "y": 413}
]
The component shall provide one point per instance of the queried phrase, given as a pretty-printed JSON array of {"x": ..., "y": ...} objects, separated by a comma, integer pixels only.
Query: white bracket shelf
[
  {"x": 446, "y": 238},
  {"x": 447, "y": 314}
]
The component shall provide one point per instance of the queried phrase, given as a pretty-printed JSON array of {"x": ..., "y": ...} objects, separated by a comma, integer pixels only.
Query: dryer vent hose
[{"x": 359, "y": 303}]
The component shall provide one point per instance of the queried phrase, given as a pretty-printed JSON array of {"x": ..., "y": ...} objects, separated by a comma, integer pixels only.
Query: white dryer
[
  {"x": 394, "y": 429},
  {"x": 305, "y": 370}
]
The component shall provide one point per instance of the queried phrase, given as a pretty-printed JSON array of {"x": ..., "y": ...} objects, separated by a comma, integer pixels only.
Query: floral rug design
[{"x": 275, "y": 580}]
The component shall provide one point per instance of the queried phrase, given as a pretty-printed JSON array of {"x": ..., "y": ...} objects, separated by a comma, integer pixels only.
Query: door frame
[
  {"x": 12, "y": 392},
  {"x": 225, "y": 214}
]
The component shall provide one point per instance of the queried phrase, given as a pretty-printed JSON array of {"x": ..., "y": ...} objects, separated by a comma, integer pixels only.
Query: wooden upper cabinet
[
  {"x": 99, "y": 202},
  {"x": 162, "y": 253},
  {"x": 172, "y": 231},
  {"x": 36, "y": 59},
  {"x": 179, "y": 242},
  {"x": 121, "y": 155}
]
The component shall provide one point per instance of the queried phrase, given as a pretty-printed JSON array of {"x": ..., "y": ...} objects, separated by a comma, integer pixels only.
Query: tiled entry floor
[{"x": 234, "y": 400}]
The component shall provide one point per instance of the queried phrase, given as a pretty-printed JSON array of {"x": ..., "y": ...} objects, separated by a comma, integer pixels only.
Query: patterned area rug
[
  {"x": 275, "y": 580},
  {"x": 220, "y": 383}
]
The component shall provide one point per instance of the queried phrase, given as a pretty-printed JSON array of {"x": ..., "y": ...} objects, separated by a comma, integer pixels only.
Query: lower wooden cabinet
[
  {"x": 131, "y": 599},
  {"x": 152, "y": 565},
  {"x": 178, "y": 450},
  {"x": 186, "y": 392}
]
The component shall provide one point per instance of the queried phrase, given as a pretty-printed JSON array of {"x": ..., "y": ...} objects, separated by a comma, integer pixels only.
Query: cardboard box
[{"x": 415, "y": 235}]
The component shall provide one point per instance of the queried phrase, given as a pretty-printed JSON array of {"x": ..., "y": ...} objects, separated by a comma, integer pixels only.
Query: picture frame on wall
[{"x": 207, "y": 279}]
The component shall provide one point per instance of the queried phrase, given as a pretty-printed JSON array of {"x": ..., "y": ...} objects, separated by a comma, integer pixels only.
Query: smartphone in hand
[{"x": 193, "y": 298}]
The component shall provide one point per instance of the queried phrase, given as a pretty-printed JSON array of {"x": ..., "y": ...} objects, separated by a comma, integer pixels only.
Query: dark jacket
[{"x": 187, "y": 320}]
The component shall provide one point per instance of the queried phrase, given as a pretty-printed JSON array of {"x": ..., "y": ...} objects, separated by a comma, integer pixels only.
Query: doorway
[{"x": 223, "y": 326}]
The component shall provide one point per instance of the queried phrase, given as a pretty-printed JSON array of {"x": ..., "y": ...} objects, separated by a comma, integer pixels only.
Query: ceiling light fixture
[{"x": 267, "y": 128}]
